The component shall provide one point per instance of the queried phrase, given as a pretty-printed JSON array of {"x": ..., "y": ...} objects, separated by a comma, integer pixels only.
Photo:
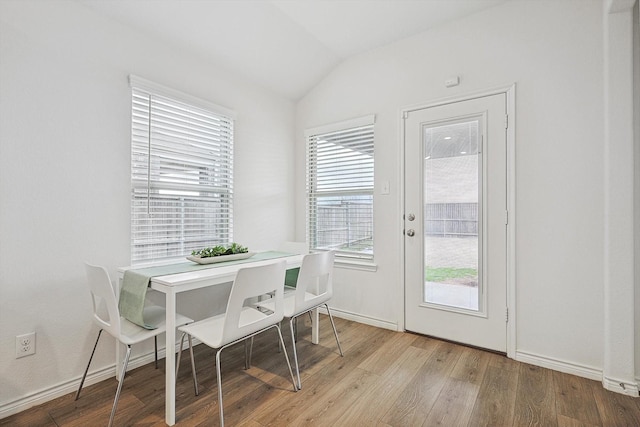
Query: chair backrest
[
  {"x": 252, "y": 282},
  {"x": 294, "y": 247},
  {"x": 102, "y": 295},
  {"x": 315, "y": 278}
]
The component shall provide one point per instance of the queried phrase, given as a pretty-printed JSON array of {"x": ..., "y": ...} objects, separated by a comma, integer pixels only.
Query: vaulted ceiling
[{"x": 285, "y": 45}]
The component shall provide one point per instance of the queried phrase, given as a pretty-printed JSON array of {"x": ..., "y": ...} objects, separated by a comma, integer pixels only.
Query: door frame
[{"x": 510, "y": 124}]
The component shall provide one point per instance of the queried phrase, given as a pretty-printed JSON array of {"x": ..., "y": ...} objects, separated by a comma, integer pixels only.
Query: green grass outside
[{"x": 442, "y": 274}]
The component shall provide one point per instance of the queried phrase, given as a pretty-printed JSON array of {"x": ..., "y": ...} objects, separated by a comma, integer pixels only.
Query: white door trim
[{"x": 509, "y": 91}]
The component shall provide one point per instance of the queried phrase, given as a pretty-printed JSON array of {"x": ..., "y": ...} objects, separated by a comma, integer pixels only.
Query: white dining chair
[
  {"x": 314, "y": 288},
  {"x": 107, "y": 317},
  {"x": 241, "y": 320}
]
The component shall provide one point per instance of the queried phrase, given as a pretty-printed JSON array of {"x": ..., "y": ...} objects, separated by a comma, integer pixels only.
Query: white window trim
[
  {"x": 351, "y": 264},
  {"x": 348, "y": 262},
  {"x": 346, "y": 124},
  {"x": 144, "y": 84}
]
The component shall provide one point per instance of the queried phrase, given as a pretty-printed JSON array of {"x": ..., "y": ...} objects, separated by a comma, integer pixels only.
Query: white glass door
[{"x": 455, "y": 209}]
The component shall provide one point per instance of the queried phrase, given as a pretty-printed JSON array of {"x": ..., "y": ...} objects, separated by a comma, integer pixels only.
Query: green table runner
[
  {"x": 136, "y": 282},
  {"x": 291, "y": 277}
]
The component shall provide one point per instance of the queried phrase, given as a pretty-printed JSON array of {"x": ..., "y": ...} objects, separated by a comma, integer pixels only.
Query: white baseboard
[
  {"x": 560, "y": 365},
  {"x": 367, "y": 320},
  {"x": 45, "y": 395},
  {"x": 50, "y": 393},
  {"x": 611, "y": 384},
  {"x": 622, "y": 387}
]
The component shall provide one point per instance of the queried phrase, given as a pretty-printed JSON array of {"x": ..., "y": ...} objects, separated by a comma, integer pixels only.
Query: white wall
[
  {"x": 64, "y": 167},
  {"x": 553, "y": 51},
  {"x": 64, "y": 175}
]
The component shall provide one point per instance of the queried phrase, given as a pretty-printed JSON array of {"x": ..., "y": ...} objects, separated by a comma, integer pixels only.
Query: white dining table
[{"x": 173, "y": 284}]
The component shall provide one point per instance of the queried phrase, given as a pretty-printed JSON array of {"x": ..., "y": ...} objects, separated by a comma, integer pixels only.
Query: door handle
[{"x": 410, "y": 232}]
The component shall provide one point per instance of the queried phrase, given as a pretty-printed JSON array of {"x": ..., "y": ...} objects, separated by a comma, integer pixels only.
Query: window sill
[{"x": 353, "y": 264}]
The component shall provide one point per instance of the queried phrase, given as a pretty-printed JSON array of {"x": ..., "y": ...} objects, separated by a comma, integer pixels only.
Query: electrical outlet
[{"x": 25, "y": 344}]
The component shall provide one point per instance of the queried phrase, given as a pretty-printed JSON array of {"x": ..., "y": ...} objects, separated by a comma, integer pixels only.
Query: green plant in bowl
[{"x": 220, "y": 250}]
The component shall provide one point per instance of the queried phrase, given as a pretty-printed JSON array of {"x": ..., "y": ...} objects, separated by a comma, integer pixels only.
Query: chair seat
[
  {"x": 154, "y": 315},
  {"x": 209, "y": 331},
  {"x": 289, "y": 303}
]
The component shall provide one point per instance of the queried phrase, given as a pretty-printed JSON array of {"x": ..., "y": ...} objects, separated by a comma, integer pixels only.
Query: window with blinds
[
  {"x": 340, "y": 188},
  {"x": 181, "y": 173}
]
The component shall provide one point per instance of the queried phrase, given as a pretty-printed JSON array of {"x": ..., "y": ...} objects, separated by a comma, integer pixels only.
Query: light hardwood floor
[{"x": 385, "y": 379}]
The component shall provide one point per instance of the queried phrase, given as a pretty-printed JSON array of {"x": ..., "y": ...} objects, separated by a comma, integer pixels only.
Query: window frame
[
  {"x": 357, "y": 259},
  {"x": 193, "y": 177}
]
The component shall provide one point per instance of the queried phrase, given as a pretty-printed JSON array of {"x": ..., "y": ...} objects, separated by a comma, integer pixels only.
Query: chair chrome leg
[
  {"x": 121, "y": 380},
  {"x": 248, "y": 352},
  {"x": 87, "y": 370},
  {"x": 193, "y": 366},
  {"x": 155, "y": 346},
  {"x": 335, "y": 331},
  {"x": 179, "y": 356},
  {"x": 220, "y": 406},
  {"x": 295, "y": 353},
  {"x": 286, "y": 357}
]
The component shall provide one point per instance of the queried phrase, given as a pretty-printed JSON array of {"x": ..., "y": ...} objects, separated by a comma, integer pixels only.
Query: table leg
[
  {"x": 118, "y": 352},
  {"x": 170, "y": 360},
  {"x": 315, "y": 328},
  {"x": 118, "y": 360}
]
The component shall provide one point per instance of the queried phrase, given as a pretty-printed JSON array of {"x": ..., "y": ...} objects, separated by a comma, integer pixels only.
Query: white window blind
[
  {"x": 181, "y": 175},
  {"x": 340, "y": 188}
]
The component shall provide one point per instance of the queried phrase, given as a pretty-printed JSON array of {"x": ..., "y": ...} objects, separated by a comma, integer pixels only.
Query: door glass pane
[{"x": 451, "y": 213}]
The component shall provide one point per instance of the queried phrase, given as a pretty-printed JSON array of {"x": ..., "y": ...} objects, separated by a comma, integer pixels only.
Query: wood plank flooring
[{"x": 385, "y": 379}]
